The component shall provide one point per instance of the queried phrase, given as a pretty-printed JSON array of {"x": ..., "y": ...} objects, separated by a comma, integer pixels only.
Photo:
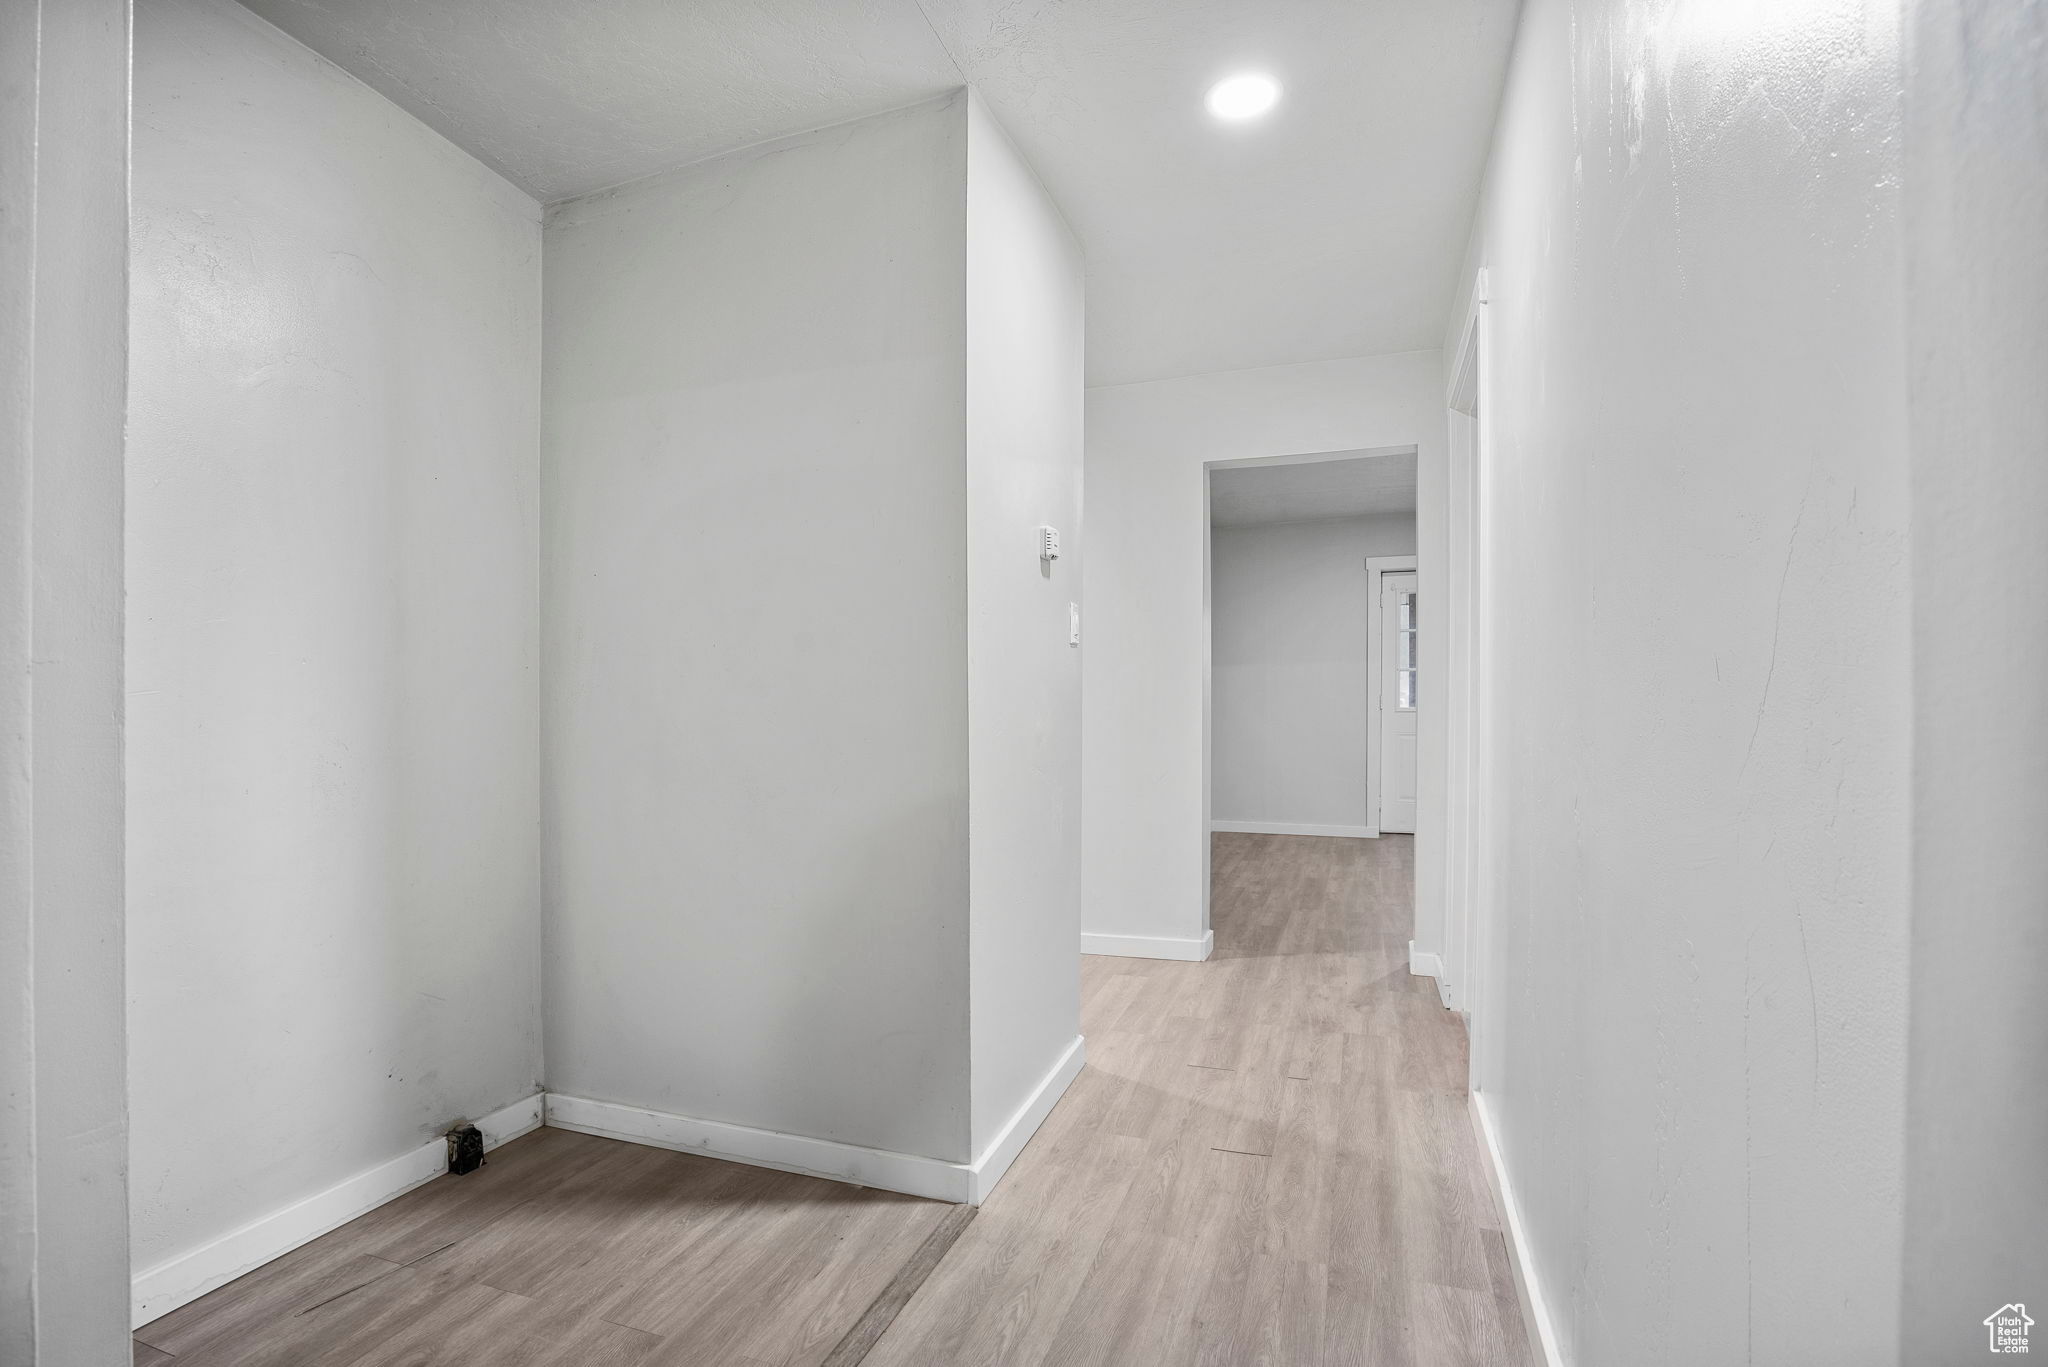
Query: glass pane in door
[{"x": 1405, "y": 663}]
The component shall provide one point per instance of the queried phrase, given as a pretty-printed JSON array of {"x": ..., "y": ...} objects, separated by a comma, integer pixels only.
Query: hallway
[
  {"x": 1266, "y": 1160},
  {"x": 821, "y": 625}
]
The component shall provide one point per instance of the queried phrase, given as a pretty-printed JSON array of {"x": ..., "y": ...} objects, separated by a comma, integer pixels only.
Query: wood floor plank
[
  {"x": 479, "y": 1324},
  {"x": 305, "y": 1277},
  {"x": 598, "y": 1343},
  {"x": 1366, "y": 1319},
  {"x": 872, "y": 1255},
  {"x": 1278, "y": 1320},
  {"x": 466, "y": 1322},
  {"x": 341, "y": 1328},
  {"x": 450, "y": 1208},
  {"x": 1300, "y": 1200},
  {"x": 855, "y": 1344},
  {"x": 754, "y": 1254},
  {"x": 1507, "y": 1302},
  {"x": 1129, "y": 1308},
  {"x": 1440, "y": 1239},
  {"x": 580, "y": 1243},
  {"x": 1023, "y": 1261},
  {"x": 1229, "y": 1241},
  {"x": 146, "y": 1356},
  {"x": 1455, "y": 1327}
]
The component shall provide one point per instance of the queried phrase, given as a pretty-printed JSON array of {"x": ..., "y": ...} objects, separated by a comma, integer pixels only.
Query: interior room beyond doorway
[{"x": 1314, "y": 619}]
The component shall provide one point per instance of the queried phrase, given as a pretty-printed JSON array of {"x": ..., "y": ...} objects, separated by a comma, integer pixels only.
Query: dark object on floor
[{"x": 465, "y": 1149}]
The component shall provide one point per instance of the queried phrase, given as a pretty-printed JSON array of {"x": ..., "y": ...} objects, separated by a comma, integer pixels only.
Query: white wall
[
  {"x": 1976, "y": 180},
  {"x": 1690, "y": 1033},
  {"x": 1145, "y": 843},
  {"x": 63, "y": 328},
  {"x": 756, "y": 613},
  {"x": 807, "y": 405},
  {"x": 1024, "y": 399},
  {"x": 333, "y": 630},
  {"x": 1291, "y": 689}
]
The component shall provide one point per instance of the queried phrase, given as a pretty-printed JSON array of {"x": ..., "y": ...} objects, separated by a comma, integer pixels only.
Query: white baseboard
[
  {"x": 1295, "y": 828},
  {"x": 912, "y": 1174},
  {"x": 1423, "y": 964},
  {"x": 177, "y": 1281},
  {"x": 1528, "y": 1288},
  {"x": 1002, "y": 1151},
  {"x": 904, "y": 1172},
  {"x": 1149, "y": 946}
]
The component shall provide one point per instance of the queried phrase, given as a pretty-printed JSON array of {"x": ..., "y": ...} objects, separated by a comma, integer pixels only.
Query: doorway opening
[
  {"x": 1463, "y": 951},
  {"x": 1311, "y": 695}
]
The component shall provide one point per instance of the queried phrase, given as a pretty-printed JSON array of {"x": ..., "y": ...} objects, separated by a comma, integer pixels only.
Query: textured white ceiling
[
  {"x": 1332, "y": 227},
  {"x": 568, "y": 96},
  {"x": 1308, "y": 491}
]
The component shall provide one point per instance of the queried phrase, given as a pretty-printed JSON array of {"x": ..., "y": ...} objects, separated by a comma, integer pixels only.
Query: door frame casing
[
  {"x": 1468, "y": 885},
  {"x": 1375, "y": 663},
  {"x": 1208, "y": 625}
]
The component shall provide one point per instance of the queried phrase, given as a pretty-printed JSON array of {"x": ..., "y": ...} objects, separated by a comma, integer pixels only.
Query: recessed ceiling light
[{"x": 1237, "y": 98}]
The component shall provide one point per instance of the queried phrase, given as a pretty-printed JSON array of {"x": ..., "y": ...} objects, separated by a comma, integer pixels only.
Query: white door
[{"x": 1397, "y": 702}]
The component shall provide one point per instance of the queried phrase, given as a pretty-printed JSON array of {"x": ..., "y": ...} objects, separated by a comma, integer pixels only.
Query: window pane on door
[{"x": 1405, "y": 663}]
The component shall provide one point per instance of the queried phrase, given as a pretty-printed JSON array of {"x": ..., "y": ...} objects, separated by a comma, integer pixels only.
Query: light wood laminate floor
[
  {"x": 566, "y": 1250},
  {"x": 1267, "y": 1160}
]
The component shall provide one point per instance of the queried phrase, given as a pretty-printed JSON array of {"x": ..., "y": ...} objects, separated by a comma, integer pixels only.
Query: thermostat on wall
[{"x": 1048, "y": 543}]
